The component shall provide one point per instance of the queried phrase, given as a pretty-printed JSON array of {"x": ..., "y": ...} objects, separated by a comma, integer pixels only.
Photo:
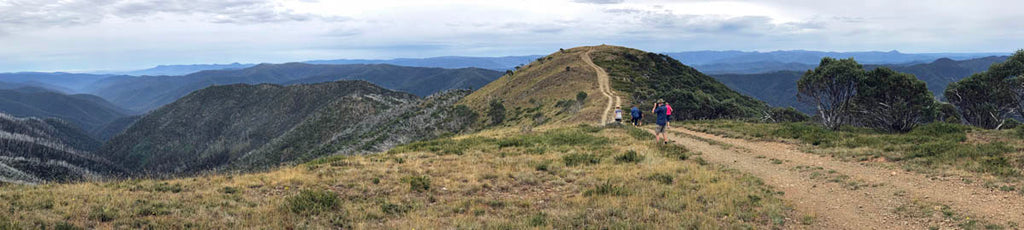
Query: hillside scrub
[
  {"x": 988, "y": 99},
  {"x": 500, "y": 180},
  {"x": 829, "y": 87},
  {"x": 890, "y": 101},
  {"x": 646, "y": 77},
  {"x": 930, "y": 148}
]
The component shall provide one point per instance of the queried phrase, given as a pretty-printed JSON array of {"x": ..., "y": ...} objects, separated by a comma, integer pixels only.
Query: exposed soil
[
  {"x": 865, "y": 195},
  {"x": 604, "y": 82}
]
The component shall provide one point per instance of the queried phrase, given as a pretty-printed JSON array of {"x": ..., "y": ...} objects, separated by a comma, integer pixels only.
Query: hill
[
  {"x": 48, "y": 150},
  {"x": 85, "y": 111},
  {"x": 779, "y": 88},
  {"x": 178, "y": 70},
  {"x": 569, "y": 177},
  {"x": 449, "y": 62},
  {"x": 149, "y": 92},
  {"x": 60, "y": 82},
  {"x": 740, "y": 62},
  {"x": 260, "y": 126},
  {"x": 544, "y": 91},
  {"x": 644, "y": 77}
]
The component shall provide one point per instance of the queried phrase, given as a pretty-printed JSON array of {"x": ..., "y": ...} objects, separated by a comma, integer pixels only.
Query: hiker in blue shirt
[
  {"x": 662, "y": 121},
  {"x": 637, "y": 115}
]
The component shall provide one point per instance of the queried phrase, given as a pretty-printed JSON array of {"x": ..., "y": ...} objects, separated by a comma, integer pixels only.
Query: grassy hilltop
[{"x": 566, "y": 177}]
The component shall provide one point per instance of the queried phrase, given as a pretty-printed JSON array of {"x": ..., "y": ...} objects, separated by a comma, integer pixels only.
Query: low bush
[
  {"x": 576, "y": 159},
  {"x": 629, "y": 157},
  {"x": 418, "y": 183},
  {"x": 312, "y": 202},
  {"x": 662, "y": 178},
  {"x": 607, "y": 188}
]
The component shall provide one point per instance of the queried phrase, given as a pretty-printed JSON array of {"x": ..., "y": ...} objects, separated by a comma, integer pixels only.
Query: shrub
[
  {"x": 675, "y": 152},
  {"x": 581, "y": 96},
  {"x": 661, "y": 178},
  {"x": 496, "y": 112},
  {"x": 629, "y": 157},
  {"x": 607, "y": 188},
  {"x": 165, "y": 187},
  {"x": 229, "y": 190},
  {"x": 312, "y": 202},
  {"x": 788, "y": 114},
  {"x": 538, "y": 220},
  {"x": 890, "y": 101},
  {"x": 418, "y": 183},
  {"x": 543, "y": 166},
  {"x": 580, "y": 159},
  {"x": 394, "y": 209},
  {"x": 829, "y": 87}
]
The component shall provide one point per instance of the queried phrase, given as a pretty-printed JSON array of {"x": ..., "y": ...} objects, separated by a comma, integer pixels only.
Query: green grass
[{"x": 927, "y": 148}]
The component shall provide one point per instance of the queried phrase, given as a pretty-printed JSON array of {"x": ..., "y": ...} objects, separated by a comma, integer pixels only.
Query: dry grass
[
  {"x": 542, "y": 84},
  {"x": 524, "y": 184}
]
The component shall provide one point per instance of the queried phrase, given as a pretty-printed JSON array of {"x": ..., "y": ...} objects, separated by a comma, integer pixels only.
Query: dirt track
[
  {"x": 606, "y": 89},
  {"x": 871, "y": 196}
]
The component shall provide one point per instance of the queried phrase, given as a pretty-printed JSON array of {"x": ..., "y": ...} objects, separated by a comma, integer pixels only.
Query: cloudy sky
[{"x": 85, "y": 35}]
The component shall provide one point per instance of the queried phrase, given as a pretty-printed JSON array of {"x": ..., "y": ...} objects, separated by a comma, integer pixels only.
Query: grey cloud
[
  {"x": 230, "y": 11},
  {"x": 599, "y": 1},
  {"x": 343, "y": 32},
  {"x": 50, "y": 13},
  {"x": 667, "y": 21},
  {"x": 550, "y": 28}
]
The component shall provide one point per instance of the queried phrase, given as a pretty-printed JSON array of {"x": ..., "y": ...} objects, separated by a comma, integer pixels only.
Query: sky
[{"x": 91, "y": 35}]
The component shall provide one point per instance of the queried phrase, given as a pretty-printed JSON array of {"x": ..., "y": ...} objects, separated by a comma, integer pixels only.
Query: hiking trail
[
  {"x": 603, "y": 81},
  {"x": 870, "y": 196}
]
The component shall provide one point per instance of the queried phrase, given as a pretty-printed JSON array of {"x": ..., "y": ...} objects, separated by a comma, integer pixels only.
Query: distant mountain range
[
  {"x": 741, "y": 62},
  {"x": 448, "y": 62},
  {"x": 141, "y": 94},
  {"x": 779, "y": 88},
  {"x": 48, "y": 150},
  {"x": 258, "y": 126},
  {"x": 86, "y": 111},
  {"x": 176, "y": 70},
  {"x": 150, "y": 92}
]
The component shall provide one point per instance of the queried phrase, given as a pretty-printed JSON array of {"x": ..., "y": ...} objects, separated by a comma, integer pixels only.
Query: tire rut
[
  {"x": 603, "y": 81},
  {"x": 834, "y": 204}
]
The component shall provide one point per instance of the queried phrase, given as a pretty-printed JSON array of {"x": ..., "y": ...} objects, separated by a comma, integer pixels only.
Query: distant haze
[{"x": 90, "y": 35}]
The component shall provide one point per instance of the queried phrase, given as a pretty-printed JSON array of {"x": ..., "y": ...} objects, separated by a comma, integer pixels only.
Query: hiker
[
  {"x": 668, "y": 112},
  {"x": 618, "y": 115},
  {"x": 636, "y": 115},
  {"x": 662, "y": 121}
]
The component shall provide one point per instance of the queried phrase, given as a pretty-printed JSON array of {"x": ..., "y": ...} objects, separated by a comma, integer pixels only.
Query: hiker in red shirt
[{"x": 668, "y": 112}]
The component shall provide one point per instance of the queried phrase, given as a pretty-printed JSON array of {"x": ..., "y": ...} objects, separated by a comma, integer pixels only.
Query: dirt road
[
  {"x": 606, "y": 89},
  {"x": 848, "y": 195}
]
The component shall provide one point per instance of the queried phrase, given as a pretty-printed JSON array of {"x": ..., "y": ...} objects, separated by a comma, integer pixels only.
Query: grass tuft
[{"x": 629, "y": 157}]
